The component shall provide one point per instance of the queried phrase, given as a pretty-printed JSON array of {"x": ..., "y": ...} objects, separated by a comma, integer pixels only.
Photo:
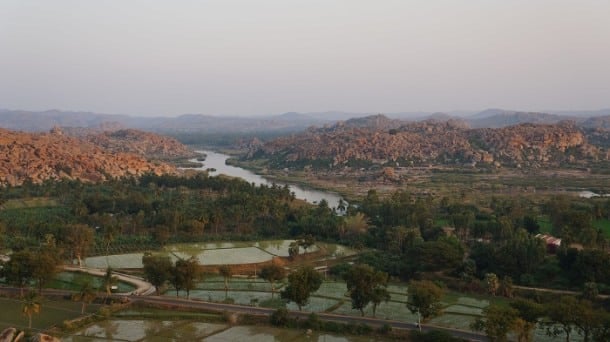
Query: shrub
[
  {"x": 279, "y": 317},
  {"x": 313, "y": 322},
  {"x": 385, "y": 329},
  {"x": 433, "y": 336}
]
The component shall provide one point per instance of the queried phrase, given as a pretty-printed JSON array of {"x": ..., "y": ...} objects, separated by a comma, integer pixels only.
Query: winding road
[{"x": 143, "y": 288}]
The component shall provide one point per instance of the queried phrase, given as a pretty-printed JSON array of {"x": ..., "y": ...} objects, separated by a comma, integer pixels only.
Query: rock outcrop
[
  {"x": 41, "y": 156},
  {"x": 145, "y": 144},
  {"x": 432, "y": 142}
]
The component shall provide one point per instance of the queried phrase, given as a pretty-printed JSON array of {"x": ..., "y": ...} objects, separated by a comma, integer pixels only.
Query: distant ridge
[{"x": 286, "y": 122}]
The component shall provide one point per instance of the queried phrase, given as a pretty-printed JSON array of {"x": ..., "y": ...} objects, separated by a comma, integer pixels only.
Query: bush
[
  {"x": 385, "y": 329},
  {"x": 433, "y": 336},
  {"x": 363, "y": 329},
  {"x": 334, "y": 327},
  {"x": 275, "y": 303},
  {"x": 339, "y": 270},
  {"x": 313, "y": 322},
  {"x": 279, "y": 317}
]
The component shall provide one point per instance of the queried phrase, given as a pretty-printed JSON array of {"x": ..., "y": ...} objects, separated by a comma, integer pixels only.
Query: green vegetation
[
  {"x": 483, "y": 245},
  {"x": 52, "y": 312}
]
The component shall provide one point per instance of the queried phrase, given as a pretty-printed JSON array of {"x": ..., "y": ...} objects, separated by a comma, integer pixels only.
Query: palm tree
[
  {"x": 31, "y": 306},
  {"x": 108, "y": 280},
  {"x": 86, "y": 295},
  {"x": 226, "y": 272}
]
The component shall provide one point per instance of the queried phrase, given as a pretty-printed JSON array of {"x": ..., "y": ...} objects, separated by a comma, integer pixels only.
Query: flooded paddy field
[
  {"x": 220, "y": 253},
  {"x": 186, "y": 330}
]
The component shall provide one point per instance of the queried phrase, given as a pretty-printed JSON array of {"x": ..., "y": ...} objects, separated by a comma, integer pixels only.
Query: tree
[
  {"x": 85, "y": 295},
  {"x": 380, "y": 294},
  {"x": 80, "y": 239},
  {"x": 272, "y": 273},
  {"x": 366, "y": 285},
  {"x": 492, "y": 283},
  {"x": 187, "y": 272},
  {"x": 108, "y": 280},
  {"x": 424, "y": 298},
  {"x": 301, "y": 283},
  {"x": 506, "y": 287},
  {"x": 528, "y": 315},
  {"x": 31, "y": 306},
  {"x": 563, "y": 314},
  {"x": 306, "y": 242},
  {"x": 157, "y": 270},
  {"x": 588, "y": 320},
  {"x": 497, "y": 321},
  {"x": 226, "y": 272},
  {"x": 293, "y": 249},
  {"x": 18, "y": 270},
  {"x": 45, "y": 265}
]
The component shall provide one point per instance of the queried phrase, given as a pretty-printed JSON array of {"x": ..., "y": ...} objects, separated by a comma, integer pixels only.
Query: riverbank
[{"x": 216, "y": 164}]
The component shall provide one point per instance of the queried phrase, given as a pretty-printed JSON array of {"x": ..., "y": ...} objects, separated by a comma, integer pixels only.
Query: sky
[{"x": 255, "y": 57}]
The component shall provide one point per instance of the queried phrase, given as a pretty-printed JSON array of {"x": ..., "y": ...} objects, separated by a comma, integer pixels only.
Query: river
[{"x": 217, "y": 161}]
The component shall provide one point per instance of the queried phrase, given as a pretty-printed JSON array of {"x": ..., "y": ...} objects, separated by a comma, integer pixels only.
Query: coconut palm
[
  {"x": 31, "y": 306},
  {"x": 108, "y": 280},
  {"x": 226, "y": 272},
  {"x": 85, "y": 295}
]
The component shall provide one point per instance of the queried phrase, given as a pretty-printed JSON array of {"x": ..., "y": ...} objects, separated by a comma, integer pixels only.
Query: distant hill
[
  {"x": 495, "y": 118},
  {"x": 44, "y": 121},
  {"x": 287, "y": 122},
  {"x": 378, "y": 140},
  {"x": 41, "y": 156}
]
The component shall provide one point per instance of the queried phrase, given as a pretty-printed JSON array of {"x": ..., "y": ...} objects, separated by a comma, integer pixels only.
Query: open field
[
  {"x": 51, "y": 313},
  {"x": 72, "y": 281}
]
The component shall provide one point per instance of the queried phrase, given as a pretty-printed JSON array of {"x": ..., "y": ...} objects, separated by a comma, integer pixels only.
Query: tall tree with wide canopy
[
  {"x": 79, "y": 239},
  {"x": 272, "y": 273},
  {"x": 157, "y": 270},
  {"x": 365, "y": 285},
  {"x": 497, "y": 322},
  {"x": 186, "y": 272},
  {"x": 424, "y": 298},
  {"x": 18, "y": 270},
  {"x": 301, "y": 283}
]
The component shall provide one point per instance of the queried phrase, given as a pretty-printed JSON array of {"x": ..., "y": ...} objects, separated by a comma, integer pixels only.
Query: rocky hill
[
  {"x": 149, "y": 145},
  {"x": 432, "y": 142},
  {"x": 54, "y": 155}
]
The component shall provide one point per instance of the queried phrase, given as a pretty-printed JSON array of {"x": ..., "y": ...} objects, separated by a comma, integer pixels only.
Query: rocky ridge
[
  {"x": 142, "y": 143},
  {"x": 434, "y": 142},
  {"x": 41, "y": 156}
]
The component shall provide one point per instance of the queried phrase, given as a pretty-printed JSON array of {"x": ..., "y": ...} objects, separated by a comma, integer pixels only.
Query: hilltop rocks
[
  {"x": 432, "y": 142},
  {"x": 142, "y": 143},
  {"x": 41, "y": 156}
]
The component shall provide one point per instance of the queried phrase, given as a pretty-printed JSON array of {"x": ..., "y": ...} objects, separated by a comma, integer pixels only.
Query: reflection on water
[
  {"x": 217, "y": 161},
  {"x": 162, "y": 330}
]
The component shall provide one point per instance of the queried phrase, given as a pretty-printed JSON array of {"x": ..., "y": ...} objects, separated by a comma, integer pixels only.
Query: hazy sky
[{"x": 267, "y": 57}]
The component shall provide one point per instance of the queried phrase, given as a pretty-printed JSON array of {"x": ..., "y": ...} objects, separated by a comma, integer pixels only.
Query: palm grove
[{"x": 491, "y": 247}]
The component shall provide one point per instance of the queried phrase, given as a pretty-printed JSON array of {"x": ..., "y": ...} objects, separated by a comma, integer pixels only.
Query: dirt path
[{"x": 143, "y": 288}]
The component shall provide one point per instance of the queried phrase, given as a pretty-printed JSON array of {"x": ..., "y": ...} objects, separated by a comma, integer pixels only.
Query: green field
[
  {"x": 51, "y": 313},
  {"x": 604, "y": 225},
  {"x": 72, "y": 281}
]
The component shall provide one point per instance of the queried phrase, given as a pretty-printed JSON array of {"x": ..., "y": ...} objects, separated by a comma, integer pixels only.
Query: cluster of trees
[
  {"x": 403, "y": 232},
  {"x": 29, "y": 267},
  {"x": 182, "y": 275},
  {"x": 561, "y": 318}
]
